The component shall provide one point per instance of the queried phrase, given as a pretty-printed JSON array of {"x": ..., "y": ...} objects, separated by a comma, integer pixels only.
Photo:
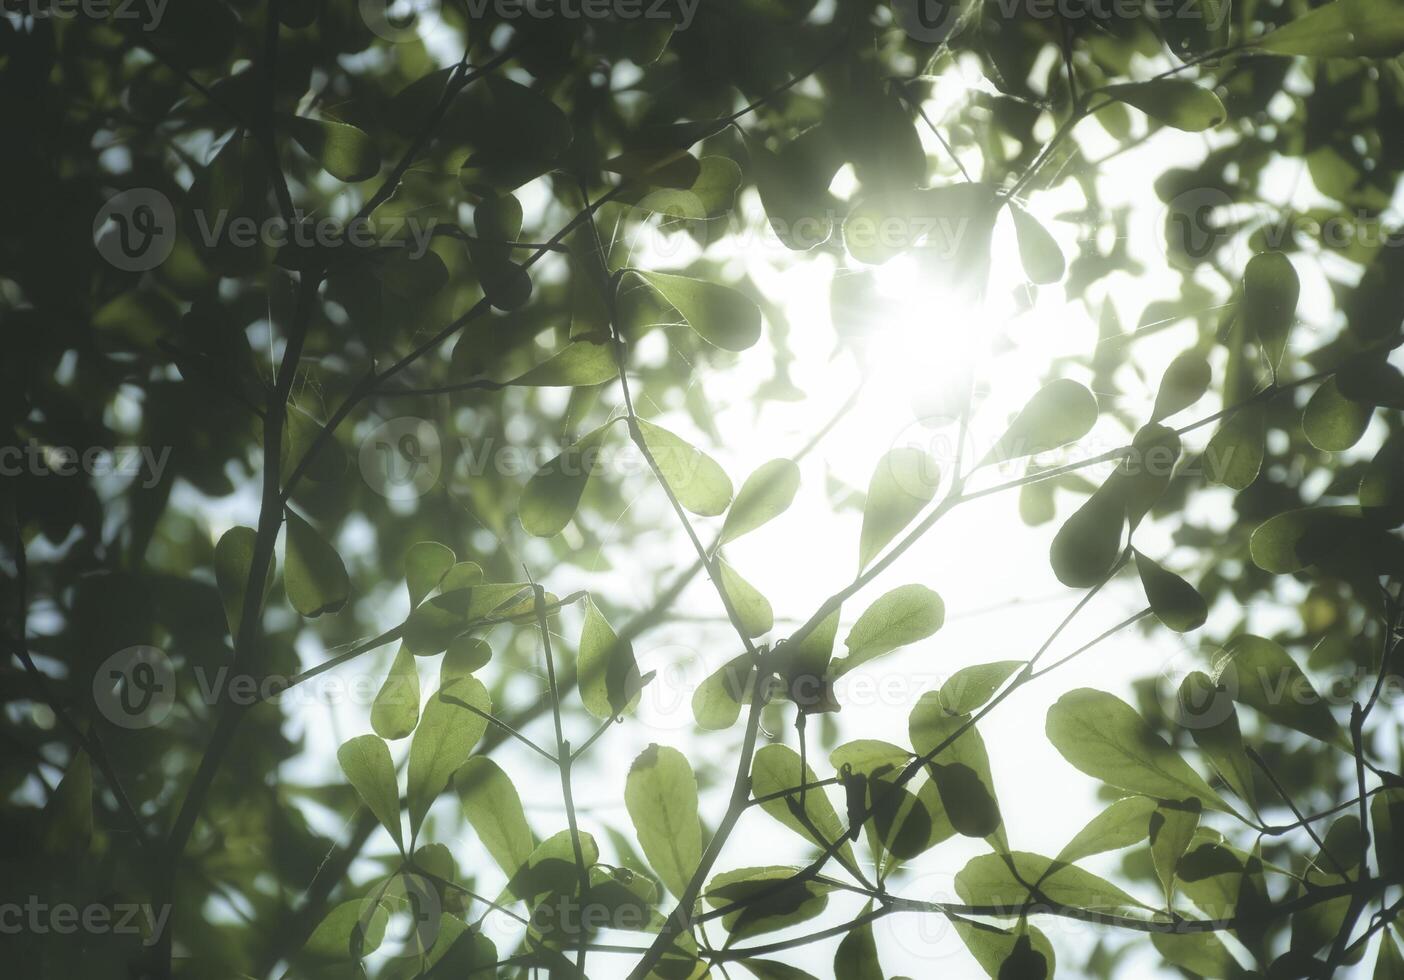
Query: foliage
[{"x": 358, "y": 234}]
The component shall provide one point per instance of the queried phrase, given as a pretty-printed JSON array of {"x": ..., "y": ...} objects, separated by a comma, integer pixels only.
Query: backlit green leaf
[
  {"x": 366, "y": 762},
  {"x": 661, "y": 796},
  {"x": 313, "y": 573},
  {"x": 232, "y": 559},
  {"x": 753, "y": 609},
  {"x": 907, "y": 614},
  {"x": 1042, "y": 258},
  {"x": 902, "y": 485},
  {"x": 608, "y": 674},
  {"x": 1176, "y": 102},
  {"x": 492, "y": 806},
  {"x": 395, "y": 711},
  {"x": 1061, "y": 412},
  {"x": 1259, "y": 673},
  {"x": 1342, "y": 29},
  {"x": 344, "y": 151},
  {"x": 1104, "y": 737},
  {"x": 1173, "y": 600},
  {"x": 1234, "y": 457},
  {"x": 694, "y": 477},
  {"x": 1332, "y": 422},
  {"x": 426, "y": 564},
  {"x": 446, "y": 735},
  {"x": 776, "y": 768},
  {"x": 1185, "y": 381},
  {"x": 722, "y": 316},
  {"x": 766, "y": 494},
  {"x": 1270, "y": 291},
  {"x": 551, "y": 497}
]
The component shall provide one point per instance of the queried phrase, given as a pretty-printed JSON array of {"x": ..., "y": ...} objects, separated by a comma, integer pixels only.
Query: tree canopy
[{"x": 409, "y": 577}]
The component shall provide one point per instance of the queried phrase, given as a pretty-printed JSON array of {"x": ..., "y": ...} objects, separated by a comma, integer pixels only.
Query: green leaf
[
  {"x": 1295, "y": 540},
  {"x": 716, "y": 704},
  {"x": 344, "y": 151},
  {"x": 233, "y": 557},
  {"x": 1086, "y": 547},
  {"x": 857, "y": 954},
  {"x": 314, "y": 575},
  {"x": 1173, "y": 600},
  {"x": 1389, "y": 964},
  {"x": 1125, "y": 822},
  {"x": 906, "y": 615},
  {"x": 696, "y": 480},
  {"x": 366, "y": 762},
  {"x": 445, "y": 738},
  {"x": 902, "y": 485},
  {"x": 766, "y": 494},
  {"x": 752, "y": 608},
  {"x": 1207, "y": 711},
  {"x": 300, "y": 433},
  {"x": 492, "y": 806},
  {"x": 1185, "y": 381},
  {"x": 784, "y": 905},
  {"x": 1332, "y": 422},
  {"x": 961, "y": 770},
  {"x": 1061, "y": 412},
  {"x": 1234, "y": 457},
  {"x": 777, "y": 767},
  {"x": 608, "y": 673},
  {"x": 1270, "y": 291},
  {"x": 994, "y": 948},
  {"x": 1343, "y": 29},
  {"x": 1172, "y": 827},
  {"x": 349, "y": 931},
  {"x": 68, "y": 816},
  {"x": 809, "y": 656},
  {"x": 1199, "y": 27},
  {"x": 1005, "y": 880},
  {"x": 438, "y": 622},
  {"x": 581, "y": 363},
  {"x": 1387, "y": 826},
  {"x": 970, "y": 687},
  {"x": 1382, "y": 486},
  {"x": 661, "y": 796},
  {"x": 711, "y": 195},
  {"x": 1042, "y": 258},
  {"x": 426, "y": 564},
  {"x": 512, "y": 134},
  {"x": 552, "y": 868},
  {"x": 1176, "y": 102},
  {"x": 1259, "y": 673},
  {"x": 722, "y": 316},
  {"x": 395, "y": 711},
  {"x": 1104, "y": 737},
  {"x": 551, "y": 496},
  {"x": 1201, "y": 953}
]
